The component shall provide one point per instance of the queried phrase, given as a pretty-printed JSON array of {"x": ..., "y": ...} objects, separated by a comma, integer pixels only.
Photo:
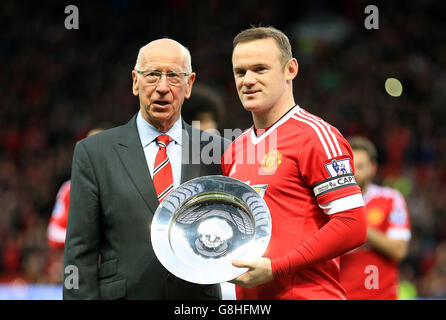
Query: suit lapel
[
  {"x": 190, "y": 167},
  {"x": 132, "y": 156}
]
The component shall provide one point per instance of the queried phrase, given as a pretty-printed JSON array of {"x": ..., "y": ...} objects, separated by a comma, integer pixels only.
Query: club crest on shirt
[
  {"x": 338, "y": 167},
  {"x": 271, "y": 161}
]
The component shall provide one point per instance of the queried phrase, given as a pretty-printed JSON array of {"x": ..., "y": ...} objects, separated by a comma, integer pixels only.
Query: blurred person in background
[
  {"x": 305, "y": 171},
  {"x": 57, "y": 226},
  {"x": 204, "y": 109},
  {"x": 121, "y": 175},
  {"x": 432, "y": 282},
  {"x": 371, "y": 271},
  {"x": 56, "y": 91}
]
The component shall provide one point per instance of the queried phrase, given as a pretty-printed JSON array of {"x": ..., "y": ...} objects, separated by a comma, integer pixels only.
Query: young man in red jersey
[
  {"x": 371, "y": 271},
  {"x": 304, "y": 170}
]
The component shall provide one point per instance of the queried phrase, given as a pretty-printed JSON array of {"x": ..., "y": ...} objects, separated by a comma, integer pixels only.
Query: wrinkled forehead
[{"x": 163, "y": 60}]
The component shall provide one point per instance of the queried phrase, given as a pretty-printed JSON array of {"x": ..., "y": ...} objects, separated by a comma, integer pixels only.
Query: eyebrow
[{"x": 237, "y": 68}]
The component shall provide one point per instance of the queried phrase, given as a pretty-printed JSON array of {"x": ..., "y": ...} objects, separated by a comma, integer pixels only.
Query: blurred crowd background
[{"x": 56, "y": 84}]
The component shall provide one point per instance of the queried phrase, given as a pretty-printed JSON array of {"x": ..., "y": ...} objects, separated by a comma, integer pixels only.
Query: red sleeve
[
  {"x": 345, "y": 231},
  {"x": 326, "y": 164},
  {"x": 398, "y": 221},
  {"x": 58, "y": 222}
]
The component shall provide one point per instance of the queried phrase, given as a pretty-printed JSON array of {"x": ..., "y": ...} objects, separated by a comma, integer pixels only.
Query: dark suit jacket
[{"x": 112, "y": 203}]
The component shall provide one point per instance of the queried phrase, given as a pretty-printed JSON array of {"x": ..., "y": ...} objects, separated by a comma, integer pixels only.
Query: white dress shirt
[{"x": 148, "y": 134}]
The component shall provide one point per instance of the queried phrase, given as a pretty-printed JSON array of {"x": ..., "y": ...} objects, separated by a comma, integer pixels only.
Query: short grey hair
[{"x": 185, "y": 51}]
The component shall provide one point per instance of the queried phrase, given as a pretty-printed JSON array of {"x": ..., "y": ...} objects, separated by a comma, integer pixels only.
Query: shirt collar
[{"x": 148, "y": 133}]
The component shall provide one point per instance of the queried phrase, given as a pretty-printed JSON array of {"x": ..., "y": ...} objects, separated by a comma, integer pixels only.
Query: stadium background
[{"x": 55, "y": 84}]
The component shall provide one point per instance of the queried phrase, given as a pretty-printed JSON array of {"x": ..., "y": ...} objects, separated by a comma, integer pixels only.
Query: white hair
[{"x": 184, "y": 50}]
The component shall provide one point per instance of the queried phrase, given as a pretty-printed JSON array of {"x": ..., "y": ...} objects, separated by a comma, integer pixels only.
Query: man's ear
[
  {"x": 135, "y": 79},
  {"x": 291, "y": 69},
  {"x": 190, "y": 83}
]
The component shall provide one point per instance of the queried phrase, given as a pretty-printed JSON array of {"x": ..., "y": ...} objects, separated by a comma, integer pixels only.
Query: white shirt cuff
[{"x": 342, "y": 204}]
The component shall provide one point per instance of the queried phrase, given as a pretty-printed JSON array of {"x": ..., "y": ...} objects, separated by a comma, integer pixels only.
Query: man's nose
[
  {"x": 249, "y": 79},
  {"x": 163, "y": 84}
]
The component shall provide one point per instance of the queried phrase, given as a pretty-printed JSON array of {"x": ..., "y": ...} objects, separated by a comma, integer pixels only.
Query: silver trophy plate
[{"x": 207, "y": 222}]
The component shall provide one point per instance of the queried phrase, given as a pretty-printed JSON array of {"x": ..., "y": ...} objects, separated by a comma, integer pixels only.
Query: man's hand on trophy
[{"x": 259, "y": 272}]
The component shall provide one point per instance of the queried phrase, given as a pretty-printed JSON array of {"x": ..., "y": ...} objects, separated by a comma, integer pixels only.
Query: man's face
[
  {"x": 365, "y": 169},
  {"x": 161, "y": 103},
  {"x": 259, "y": 74}
]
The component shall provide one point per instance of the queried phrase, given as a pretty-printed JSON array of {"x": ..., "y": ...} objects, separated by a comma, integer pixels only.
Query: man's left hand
[{"x": 259, "y": 272}]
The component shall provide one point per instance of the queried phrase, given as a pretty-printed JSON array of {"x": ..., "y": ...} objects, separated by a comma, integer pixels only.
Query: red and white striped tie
[{"x": 162, "y": 173}]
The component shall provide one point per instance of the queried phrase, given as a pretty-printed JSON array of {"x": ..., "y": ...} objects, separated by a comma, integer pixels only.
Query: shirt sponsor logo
[
  {"x": 259, "y": 188},
  {"x": 339, "y": 167},
  {"x": 333, "y": 184}
]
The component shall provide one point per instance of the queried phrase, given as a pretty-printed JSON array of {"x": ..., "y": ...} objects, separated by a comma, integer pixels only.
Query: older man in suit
[{"x": 120, "y": 176}]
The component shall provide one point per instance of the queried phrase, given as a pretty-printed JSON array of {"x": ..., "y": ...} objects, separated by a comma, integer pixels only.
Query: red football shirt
[
  {"x": 303, "y": 168},
  {"x": 365, "y": 273},
  {"x": 57, "y": 227}
]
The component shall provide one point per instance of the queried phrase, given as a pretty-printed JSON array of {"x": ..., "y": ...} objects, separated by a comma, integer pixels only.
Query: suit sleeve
[{"x": 82, "y": 238}]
